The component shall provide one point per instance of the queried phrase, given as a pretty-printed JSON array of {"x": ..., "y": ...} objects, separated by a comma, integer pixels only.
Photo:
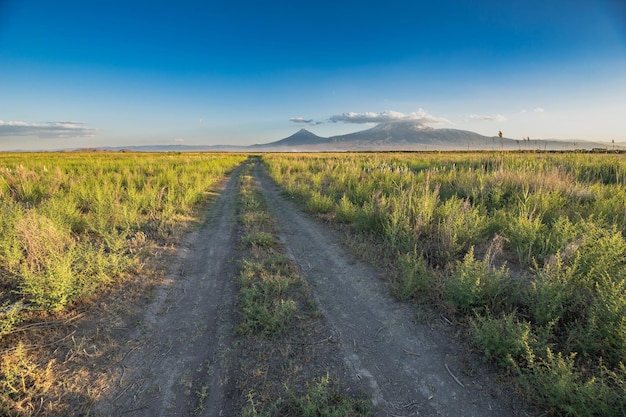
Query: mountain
[
  {"x": 410, "y": 136},
  {"x": 302, "y": 139},
  {"x": 390, "y": 136}
]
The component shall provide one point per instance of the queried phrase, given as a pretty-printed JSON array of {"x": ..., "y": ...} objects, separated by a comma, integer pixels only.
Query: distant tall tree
[{"x": 501, "y": 141}]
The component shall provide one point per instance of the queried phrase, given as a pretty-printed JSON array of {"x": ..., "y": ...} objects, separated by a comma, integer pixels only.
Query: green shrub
[
  {"x": 10, "y": 316},
  {"x": 603, "y": 331},
  {"x": 322, "y": 398},
  {"x": 476, "y": 284},
  {"x": 263, "y": 297},
  {"x": 346, "y": 211},
  {"x": 48, "y": 278},
  {"x": 23, "y": 185},
  {"x": 459, "y": 225},
  {"x": 319, "y": 203},
  {"x": 504, "y": 339},
  {"x": 269, "y": 318},
  {"x": 555, "y": 383},
  {"x": 525, "y": 233},
  {"x": 414, "y": 277},
  {"x": 550, "y": 293},
  {"x": 11, "y": 251}
]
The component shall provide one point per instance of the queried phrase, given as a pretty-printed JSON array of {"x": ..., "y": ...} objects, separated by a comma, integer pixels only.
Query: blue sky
[{"x": 98, "y": 73}]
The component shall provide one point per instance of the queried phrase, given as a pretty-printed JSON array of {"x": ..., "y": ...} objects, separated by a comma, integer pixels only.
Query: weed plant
[
  {"x": 23, "y": 383},
  {"x": 549, "y": 304}
]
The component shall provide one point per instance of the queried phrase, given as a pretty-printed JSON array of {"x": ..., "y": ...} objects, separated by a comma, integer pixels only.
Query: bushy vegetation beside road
[
  {"x": 527, "y": 249},
  {"x": 73, "y": 223}
]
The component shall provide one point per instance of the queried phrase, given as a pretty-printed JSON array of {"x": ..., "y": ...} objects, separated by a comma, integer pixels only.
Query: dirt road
[
  {"x": 177, "y": 359},
  {"x": 178, "y": 362},
  {"x": 408, "y": 368}
]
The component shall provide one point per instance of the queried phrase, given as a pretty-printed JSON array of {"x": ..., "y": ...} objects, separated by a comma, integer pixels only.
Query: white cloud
[
  {"x": 496, "y": 118},
  {"x": 179, "y": 140},
  {"x": 538, "y": 110},
  {"x": 419, "y": 116},
  {"x": 302, "y": 120},
  {"x": 46, "y": 130}
]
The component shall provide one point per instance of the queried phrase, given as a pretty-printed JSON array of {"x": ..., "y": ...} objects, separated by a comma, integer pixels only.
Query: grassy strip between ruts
[{"x": 283, "y": 343}]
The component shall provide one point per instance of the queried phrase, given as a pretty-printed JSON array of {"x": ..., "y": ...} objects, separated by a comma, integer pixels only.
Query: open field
[
  {"x": 72, "y": 225},
  {"x": 527, "y": 251},
  {"x": 264, "y": 311}
]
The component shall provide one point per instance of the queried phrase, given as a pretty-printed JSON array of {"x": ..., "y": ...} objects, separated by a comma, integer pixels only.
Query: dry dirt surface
[
  {"x": 177, "y": 358},
  {"x": 180, "y": 360},
  {"x": 409, "y": 369}
]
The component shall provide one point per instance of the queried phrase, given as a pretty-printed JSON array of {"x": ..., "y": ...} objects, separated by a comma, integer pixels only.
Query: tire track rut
[
  {"x": 408, "y": 368},
  {"x": 180, "y": 361},
  {"x": 177, "y": 360}
]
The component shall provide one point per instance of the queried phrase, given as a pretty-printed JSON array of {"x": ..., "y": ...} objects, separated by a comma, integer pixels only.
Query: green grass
[
  {"x": 72, "y": 224},
  {"x": 276, "y": 314},
  {"x": 322, "y": 398},
  {"x": 547, "y": 301},
  {"x": 265, "y": 279}
]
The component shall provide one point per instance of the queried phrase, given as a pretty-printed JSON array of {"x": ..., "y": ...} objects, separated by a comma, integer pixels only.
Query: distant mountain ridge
[
  {"x": 301, "y": 137},
  {"x": 411, "y": 136},
  {"x": 390, "y": 136},
  {"x": 407, "y": 135}
]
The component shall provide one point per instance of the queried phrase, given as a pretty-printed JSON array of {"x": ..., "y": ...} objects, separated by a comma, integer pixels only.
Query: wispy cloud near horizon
[
  {"x": 420, "y": 116},
  {"x": 535, "y": 110},
  {"x": 302, "y": 120},
  {"x": 46, "y": 129},
  {"x": 489, "y": 118}
]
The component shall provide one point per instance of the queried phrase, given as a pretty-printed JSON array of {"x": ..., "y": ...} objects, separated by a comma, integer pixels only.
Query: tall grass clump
[
  {"x": 557, "y": 382},
  {"x": 504, "y": 338},
  {"x": 414, "y": 278},
  {"x": 583, "y": 292},
  {"x": 70, "y": 223},
  {"x": 477, "y": 285}
]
